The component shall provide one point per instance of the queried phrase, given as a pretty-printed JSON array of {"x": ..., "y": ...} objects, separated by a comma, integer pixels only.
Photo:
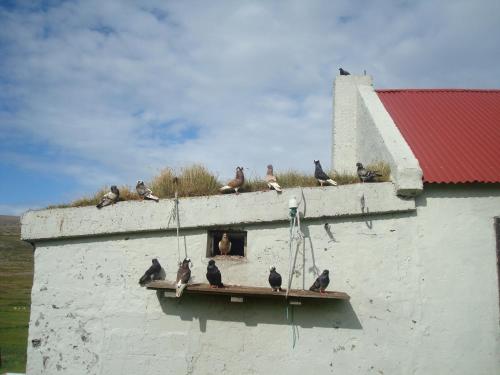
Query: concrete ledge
[{"x": 211, "y": 211}]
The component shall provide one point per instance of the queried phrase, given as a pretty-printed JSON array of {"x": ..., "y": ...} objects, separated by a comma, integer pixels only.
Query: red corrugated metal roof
[{"x": 454, "y": 134}]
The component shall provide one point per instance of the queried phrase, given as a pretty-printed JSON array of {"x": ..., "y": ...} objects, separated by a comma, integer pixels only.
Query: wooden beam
[{"x": 249, "y": 291}]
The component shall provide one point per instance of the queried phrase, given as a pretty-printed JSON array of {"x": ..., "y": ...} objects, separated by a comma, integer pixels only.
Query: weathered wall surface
[{"x": 422, "y": 285}]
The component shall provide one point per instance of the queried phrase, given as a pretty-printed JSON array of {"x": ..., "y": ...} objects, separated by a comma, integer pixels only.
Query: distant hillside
[{"x": 16, "y": 279}]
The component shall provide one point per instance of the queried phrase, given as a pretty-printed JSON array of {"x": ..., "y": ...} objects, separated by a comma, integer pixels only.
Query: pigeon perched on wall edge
[
  {"x": 110, "y": 197},
  {"x": 366, "y": 175},
  {"x": 236, "y": 183},
  {"x": 272, "y": 183},
  {"x": 321, "y": 176},
  {"x": 144, "y": 192}
]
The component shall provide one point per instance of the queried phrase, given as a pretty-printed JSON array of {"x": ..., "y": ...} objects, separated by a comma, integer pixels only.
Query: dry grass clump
[
  {"x": 290, "y": 179},
  {"x": 126, "y": 194},
  {"x": 192, "y": 181},
  {"x": 382, "y": 168},
  {"x": 196, "y": 180}
]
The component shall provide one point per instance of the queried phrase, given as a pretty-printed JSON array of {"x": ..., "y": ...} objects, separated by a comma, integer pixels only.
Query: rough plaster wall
[
  {"x": 422, "y": 285},
  {"x": 94, "y": 318},
  {"x": 459, "y": 327}
]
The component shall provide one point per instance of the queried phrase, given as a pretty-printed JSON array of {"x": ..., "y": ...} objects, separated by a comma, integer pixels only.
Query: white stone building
[{"x": 417, "y": 259}]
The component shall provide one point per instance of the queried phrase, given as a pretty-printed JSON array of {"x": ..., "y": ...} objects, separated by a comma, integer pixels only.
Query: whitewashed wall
[{"x": 422, "y": 283}]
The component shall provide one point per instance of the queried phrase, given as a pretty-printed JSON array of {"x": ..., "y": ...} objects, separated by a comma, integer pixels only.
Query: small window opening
[{"x": 238, "y": 239}]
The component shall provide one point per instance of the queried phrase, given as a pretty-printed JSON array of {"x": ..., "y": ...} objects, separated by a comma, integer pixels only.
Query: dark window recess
[{"x": 238, "y": 239}]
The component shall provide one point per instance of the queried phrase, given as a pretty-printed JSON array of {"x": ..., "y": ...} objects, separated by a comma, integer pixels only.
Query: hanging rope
[{"x": 295, "y": 233}]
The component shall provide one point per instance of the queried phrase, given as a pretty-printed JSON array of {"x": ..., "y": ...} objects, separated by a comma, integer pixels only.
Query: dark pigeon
[
  {"x": 274, "y": 279},
  {"x": 321, "y": 282},
  {"x": 110, "y": 197},
  {"x": 153, "y": 272},
  {"x": 214, "y": 276},
  {"x": 321, "y": 176},
  {"x": 366, "y": 175},
  {"x": 344, "y": 72}
]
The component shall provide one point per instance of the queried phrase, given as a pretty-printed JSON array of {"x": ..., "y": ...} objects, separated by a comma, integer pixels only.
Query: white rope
[
  {"x": 178, "y": 225},
  {"x": 295, "y": 233}
]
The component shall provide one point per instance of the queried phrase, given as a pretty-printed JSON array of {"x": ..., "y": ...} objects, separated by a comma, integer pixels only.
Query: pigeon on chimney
[
  {"x": 344, "y": 72},
  {"x": 321, "y": 176},
  {"x": 110, "y": 197}
]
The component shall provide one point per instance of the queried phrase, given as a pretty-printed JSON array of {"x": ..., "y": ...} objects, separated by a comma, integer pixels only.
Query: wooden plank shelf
[{"x": 238, "y": 292}]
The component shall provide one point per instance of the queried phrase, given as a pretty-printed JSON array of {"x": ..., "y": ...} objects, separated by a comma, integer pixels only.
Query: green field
[{"x": 16, "y": 277}]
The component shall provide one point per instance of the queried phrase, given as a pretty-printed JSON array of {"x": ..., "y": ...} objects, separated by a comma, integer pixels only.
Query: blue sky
[{"x": 95, "y": 93}]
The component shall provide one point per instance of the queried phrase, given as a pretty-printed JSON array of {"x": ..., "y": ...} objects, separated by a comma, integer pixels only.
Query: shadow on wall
[{"x": 326, "y": 314}]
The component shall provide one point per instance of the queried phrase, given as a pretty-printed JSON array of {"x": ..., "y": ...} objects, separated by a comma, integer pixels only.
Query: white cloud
[{"x": 253, "y": 79}]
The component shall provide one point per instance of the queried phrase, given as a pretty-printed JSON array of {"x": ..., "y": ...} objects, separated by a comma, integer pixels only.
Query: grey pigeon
[
  {"x": 183, "y": 276},
  {"x": 153, "y": 272},
  {"x": 365, "y": 175},
  {"x": 321, "y": 282},
  {"x": 110, "y": 197},
  {"x": 144, "y": 192},
  {"x": 214, "y": 276},
  {"x": 271, "y": 180},
  {"x": 344, "y": 72},
  {"x": 235, "y": 183},
  {"x": 274, "y": 279},
  {"x": 321, "y": 176}
]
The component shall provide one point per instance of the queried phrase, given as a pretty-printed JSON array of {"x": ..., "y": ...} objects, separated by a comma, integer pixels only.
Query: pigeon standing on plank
[
  {"x": 144, "y": 192},
  {"x": 321, "y": 176},
  {"x": 344, "y": 72},
  {"x": 214, "y": 276},
  {"x": 225, "y": 245},
  {"x": 153, "y": 272},
  {"x": 235, "y": 183},
  {"x": 271, "y": 179},
  {"x": 321, "y": 283},
  {"x": 365, "y": 175},
  {"x": 111, "y": 197},
  {"x": 183, "y": 276},
  {"x": 274, "y": 279}
]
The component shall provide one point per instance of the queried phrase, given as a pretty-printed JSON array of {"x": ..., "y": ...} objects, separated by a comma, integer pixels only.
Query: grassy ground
[
  {"x": 196, "y": 180},
  {"x": 16, "y": 277}
]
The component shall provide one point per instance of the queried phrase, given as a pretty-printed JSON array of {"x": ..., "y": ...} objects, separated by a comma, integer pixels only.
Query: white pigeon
[
  {"x": 144, "y": 192},
  {"x": 271, "y": 180}
]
